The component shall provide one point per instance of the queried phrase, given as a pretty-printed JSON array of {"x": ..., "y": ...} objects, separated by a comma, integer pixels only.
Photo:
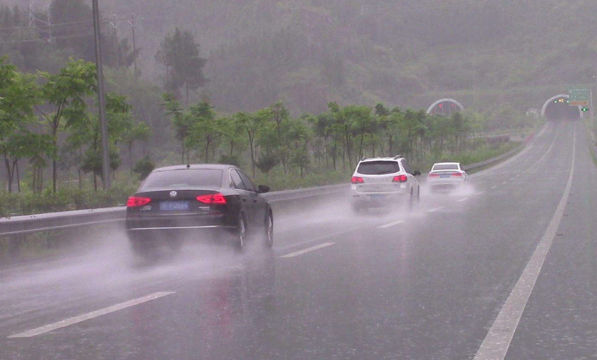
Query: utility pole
[
  {"x": 101, "y": 97},
  {"x": 133, "y": 22}
]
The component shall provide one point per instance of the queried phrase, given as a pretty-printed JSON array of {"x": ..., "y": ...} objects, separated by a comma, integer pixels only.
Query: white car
[
  {"x": 446, "y": 176},
  {"x": 381, "y": 182}
]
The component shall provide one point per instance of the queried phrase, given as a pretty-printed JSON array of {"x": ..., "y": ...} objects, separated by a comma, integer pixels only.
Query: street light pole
[{"x": 101, "y": 97}]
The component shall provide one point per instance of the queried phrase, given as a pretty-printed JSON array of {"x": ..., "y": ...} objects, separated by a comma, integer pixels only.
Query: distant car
[
  {"x": 196, "y": 202},
  {"x": 381, "y": 182},
  {"x": 446, "y": 177}
]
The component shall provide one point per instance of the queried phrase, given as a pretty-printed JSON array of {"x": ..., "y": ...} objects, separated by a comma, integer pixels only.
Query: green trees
[
  {"x": 179, "y": 53},
  {"x": 180, "y": 122},
  {"x": 57, "y": 122},
  {"x": 65, "y": 93},
  {"x": 52, "y": 118},
  {"x": 19, "y": 95},
  {"x": 203, "y": 127}
]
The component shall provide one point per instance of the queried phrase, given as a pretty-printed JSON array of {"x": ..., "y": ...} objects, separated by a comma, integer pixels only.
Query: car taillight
[
  {"x": 433, "y": 175},
  {"x": 212, "y": 199},
  {"x": 400, "y": 178},
  {"x": 357, "y": 180},
  {"x": 135, "y": 201},
  {"x": 457, "y": 174}
]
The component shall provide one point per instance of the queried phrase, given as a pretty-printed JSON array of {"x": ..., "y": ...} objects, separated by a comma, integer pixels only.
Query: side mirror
[
  {"x": 262, "y": 189},
  {"x": 417, "y": 173}
]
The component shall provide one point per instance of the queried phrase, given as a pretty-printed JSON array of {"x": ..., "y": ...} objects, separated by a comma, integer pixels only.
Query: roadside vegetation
[
  {"x": 49, "y": 126},
  {"x": 197, "y": 109}
]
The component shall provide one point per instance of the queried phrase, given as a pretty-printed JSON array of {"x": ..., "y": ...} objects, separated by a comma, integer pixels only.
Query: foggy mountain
[{"x": 310, "y": 52}]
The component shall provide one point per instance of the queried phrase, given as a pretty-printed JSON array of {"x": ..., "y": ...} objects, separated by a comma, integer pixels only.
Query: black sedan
[{"x": 183, "y": 202}]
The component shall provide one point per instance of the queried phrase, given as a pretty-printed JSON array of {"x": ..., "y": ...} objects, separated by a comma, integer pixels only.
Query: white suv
[{"x": 383, "y": 181}]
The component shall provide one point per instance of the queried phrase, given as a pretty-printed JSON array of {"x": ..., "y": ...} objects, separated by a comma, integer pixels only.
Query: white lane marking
[
  {"x": 304, "y": 251},
  {"x": 390, "y": 224},
  {"x": 318, "y": 238},
  {"x": 89, "y": 316},
  {"x": 504, "y": 183},
  {"x": 480, "y": 193},
  {"x": 434, "y": 210},
  {"x": 498, "y": 339},
  {"x": 494, "y": 187},
  {"x": 464, "y": 199}
]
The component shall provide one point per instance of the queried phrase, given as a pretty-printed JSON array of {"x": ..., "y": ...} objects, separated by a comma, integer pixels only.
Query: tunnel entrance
[
  {"x": 558, "y": 108},
  {"x": 445, "y": 107}
]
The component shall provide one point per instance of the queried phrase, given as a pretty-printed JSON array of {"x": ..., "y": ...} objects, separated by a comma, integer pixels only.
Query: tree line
[
  {"x": 333, "y": 140},
  {"x": 49, "y": 120}
]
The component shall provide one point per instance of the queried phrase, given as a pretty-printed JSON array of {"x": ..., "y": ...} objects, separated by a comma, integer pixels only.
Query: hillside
[{"x": 310, "y": 52}]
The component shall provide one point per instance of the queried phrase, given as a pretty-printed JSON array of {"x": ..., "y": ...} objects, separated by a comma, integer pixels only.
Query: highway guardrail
[
  {"x": 19, "y": 225},
  {"x": 26, "y": 224}
]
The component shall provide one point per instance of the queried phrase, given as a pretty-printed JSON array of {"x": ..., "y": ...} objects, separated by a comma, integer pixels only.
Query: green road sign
[{"x": 579, "y": 97}]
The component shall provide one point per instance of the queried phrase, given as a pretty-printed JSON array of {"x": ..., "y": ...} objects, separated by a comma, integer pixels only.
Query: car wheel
[
  {"x": 240, "y": 240},
  {"x": 269, "y": 230}
]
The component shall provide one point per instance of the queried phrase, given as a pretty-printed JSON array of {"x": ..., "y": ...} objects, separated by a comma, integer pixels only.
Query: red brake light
[
  {"x": 400, "y": 178},
  {"x": 212, "y": 199},
  {"x": 135, "y": 201},
  {"x": 433, "y": 175},
  {"x": 357, "y": 180},
  {"x": 457, "y": 174}
]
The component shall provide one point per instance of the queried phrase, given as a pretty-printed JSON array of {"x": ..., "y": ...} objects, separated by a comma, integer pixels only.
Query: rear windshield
[
  {"x": 445, "y": 167},
  {"x": 183, "y": 179},
  {"x": 378, "y": 167}
]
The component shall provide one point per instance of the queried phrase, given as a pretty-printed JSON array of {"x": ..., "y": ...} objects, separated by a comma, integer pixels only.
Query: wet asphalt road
[{"x": 425, "y": 284}]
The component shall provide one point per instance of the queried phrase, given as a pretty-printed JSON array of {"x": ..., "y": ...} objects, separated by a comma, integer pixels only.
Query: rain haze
[{"x": 300, "y": 179}]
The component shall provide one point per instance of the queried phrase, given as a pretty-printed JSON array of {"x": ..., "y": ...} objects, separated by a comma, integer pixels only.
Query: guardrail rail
[{"x": 20, "y": 225}]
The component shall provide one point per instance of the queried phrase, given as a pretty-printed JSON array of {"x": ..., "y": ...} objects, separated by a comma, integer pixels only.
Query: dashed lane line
[
  {"x": 390, "y": 224},
  {"x": 307, "y": 250},
  {"x": 89, "y": 316}
]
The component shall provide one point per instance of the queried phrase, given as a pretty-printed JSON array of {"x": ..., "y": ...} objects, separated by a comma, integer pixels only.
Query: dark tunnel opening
[{"x": 560, "y": 109}]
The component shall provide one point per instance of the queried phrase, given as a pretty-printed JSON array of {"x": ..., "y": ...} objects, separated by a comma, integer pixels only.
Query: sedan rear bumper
[
  {"x": 445, "y": 186},
  {"x": 377, "y": 199}
]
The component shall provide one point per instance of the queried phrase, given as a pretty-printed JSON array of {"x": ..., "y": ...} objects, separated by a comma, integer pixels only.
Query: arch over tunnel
[
  {"x": 445, "y": 107},
  {"x": 557, "y": 108}
]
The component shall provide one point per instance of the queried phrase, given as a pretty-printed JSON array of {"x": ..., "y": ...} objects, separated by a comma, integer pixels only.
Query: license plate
[
  {"x": 444, "y": 176},
  {"x": 174, "y": 205},
  {"x": 377, "y": 196}
]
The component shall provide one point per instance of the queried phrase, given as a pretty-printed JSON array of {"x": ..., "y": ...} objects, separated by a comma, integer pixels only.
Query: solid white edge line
[
  {"x": 89, "y": 316},
  {"x": 497, "y": 341},
  {"x": 390, "y": 224},
  {"x": 461, "y": 200},
  {"x": 304, "y": 251},
  {"x": 494, "y": 187},
  {"x": 435, "y": 209}
]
